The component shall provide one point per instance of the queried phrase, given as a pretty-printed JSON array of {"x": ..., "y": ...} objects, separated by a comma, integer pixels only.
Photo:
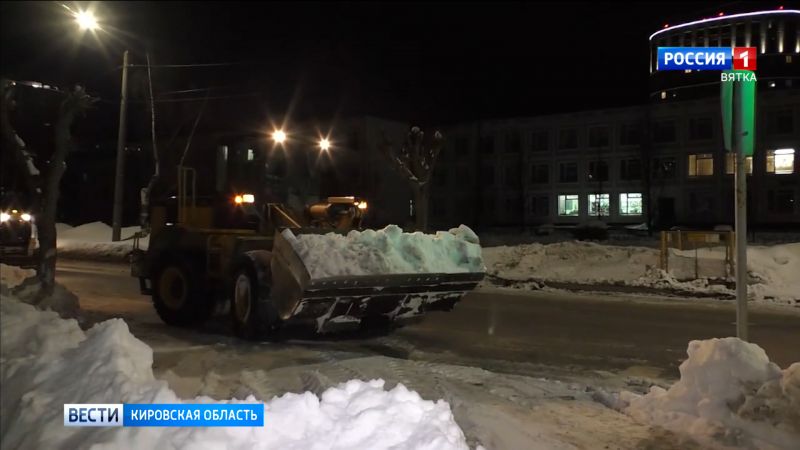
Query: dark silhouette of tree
[{"x": 415, "y": 161}]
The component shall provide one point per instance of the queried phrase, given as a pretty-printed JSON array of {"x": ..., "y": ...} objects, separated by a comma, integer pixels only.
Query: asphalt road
[{"x": 499, "y": 330}]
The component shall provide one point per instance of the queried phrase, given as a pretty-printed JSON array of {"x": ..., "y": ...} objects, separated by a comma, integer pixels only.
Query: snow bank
[
  {"x": 729, "y": 395},
  {"x": 388, "y": 251},
  {"x": 571, "y": 261},
  {"x": 47, "y": 361},
  {"x": 22, "y": 284},
  {"x": 93, "y": 240},
  {"x": 13, "y": 276},
  {"x": 773, "y": 269}
]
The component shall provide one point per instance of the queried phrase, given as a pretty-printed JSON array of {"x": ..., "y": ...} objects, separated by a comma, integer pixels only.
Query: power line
[{"x": 182, "y": 66}]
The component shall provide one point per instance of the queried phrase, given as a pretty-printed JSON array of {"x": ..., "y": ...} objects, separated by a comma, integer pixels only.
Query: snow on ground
[
  {"x": 388, "y": 251},
  {"x": 729, "y": 396},
  {"x": 23, "y": 285},
  {"x": 107, "y": 364},
  {"x": 773, "y": 269},
  {"x": 93, "y": 240}
]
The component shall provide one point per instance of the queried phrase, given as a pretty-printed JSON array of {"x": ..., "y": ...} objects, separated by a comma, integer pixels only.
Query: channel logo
[
  {"x": 164, "y": 415},
  {"x": 706, "y": 58}
]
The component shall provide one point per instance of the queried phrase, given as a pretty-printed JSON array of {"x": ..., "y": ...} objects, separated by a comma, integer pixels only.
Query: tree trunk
[
  {"x": 421, "y": 197},
  {"x": 46, "y": 222}
]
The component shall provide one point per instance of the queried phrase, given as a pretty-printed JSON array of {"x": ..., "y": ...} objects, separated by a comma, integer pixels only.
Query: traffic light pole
[{"x": 119, "y": 175}]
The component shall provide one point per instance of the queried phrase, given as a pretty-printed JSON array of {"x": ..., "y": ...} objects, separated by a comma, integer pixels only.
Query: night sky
[{"x": 426, "y": 63}]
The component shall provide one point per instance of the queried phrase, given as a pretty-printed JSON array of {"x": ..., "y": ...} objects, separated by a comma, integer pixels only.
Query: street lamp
[
  {"x": 279, "y": 136},
  {"x": 86, "y": 20},
  {"x": 324, "y": 144}
]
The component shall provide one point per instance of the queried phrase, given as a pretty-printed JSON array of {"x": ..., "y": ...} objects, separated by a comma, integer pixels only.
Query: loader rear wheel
[
  {"x": 254, "y": 317},
  {"x": 178, "y": 296}
]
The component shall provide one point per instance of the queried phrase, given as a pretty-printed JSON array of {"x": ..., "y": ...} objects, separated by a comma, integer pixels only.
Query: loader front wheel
[
  {"x": 254, "y": 317},
  {"x": 177, "y": 294}
]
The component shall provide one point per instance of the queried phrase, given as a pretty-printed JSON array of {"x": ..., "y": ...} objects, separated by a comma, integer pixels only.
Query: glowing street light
[
  {"x": 324, "y": 144},
  {"x": 279, "y": 136},
  {"x": 86, "y": 20}
]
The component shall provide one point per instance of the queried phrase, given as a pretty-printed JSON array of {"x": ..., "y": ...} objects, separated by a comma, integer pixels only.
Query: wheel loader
[{"x": 225, "y": 251}]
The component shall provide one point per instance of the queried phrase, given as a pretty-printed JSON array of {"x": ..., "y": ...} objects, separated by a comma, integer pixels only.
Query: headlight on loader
[
  {"x": 26, "y": 217},
  {"x": 4, "y": 216}
]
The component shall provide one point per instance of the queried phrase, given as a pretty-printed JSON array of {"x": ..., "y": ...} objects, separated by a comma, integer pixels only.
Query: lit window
[
  {"x": 780, "y": 161},
  {"x": 630, "y": 204},
  {"x": 250, "y": 154},
  {"x": 701, "y": 165},
  {"x": 568, "y": 205},
  {"x": 598, "y": 205},
  {"x": 730, "y": 164}
]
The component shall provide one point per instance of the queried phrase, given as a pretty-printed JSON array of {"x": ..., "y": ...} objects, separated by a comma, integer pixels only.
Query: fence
[{"x": 697, "y": 254}]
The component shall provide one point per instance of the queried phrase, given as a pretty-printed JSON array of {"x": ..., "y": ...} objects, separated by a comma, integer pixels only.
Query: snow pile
[
  {"x": 23, "y": 284},
  {"x": 777, "y": 269},
  {"x": 729, "y": 395},
  {"x": 13, "y": 276},
  {"x": 571, "y": 261},
  {"x": 388, "y": 251},
  {"x": 773, "y": 270},
  {"x": 106, "y": 364},
  {"x": 93, "y": 240}
]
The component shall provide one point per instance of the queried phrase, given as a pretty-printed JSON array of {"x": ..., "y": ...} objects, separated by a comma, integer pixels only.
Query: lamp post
[
  {"x": 119, "y": 174},
  {"x": 87, "y": 21}
]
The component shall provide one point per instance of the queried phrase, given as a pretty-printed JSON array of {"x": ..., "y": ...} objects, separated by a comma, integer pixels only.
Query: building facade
[{"x": 663, "y": 162}]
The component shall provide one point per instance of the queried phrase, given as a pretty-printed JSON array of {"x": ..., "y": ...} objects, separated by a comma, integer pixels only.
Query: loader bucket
[{"x": 341, "y": 302}]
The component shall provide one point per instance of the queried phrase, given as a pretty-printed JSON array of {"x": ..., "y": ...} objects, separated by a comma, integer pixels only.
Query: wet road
[{"x": 500, "y": 330}]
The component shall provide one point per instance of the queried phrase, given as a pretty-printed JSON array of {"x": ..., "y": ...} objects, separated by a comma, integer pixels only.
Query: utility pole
[
  {"x": 738, "y": 124},
  {"x": 119, "y": 176},
  {"x": 741, "y": 216}
]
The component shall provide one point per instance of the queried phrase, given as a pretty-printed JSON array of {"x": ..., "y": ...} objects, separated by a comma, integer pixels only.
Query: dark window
[
  {"x": 568, "y": 172},
  {"x": 461, "y": 146},
  {"x": 664, "y": 168},
  {"x": 487, "y": 144},
  {"x": 629, "y": 134},
  {"x": 439, "y": 207},
  {"x": 514, "y": 206},
  {"x": 513, "y": 176},
  {"x": 780, "y": 122},
  {"x": 598, "y": 137},
  {"x": 781, "y": 201},
  {"x": 463, "y": 175},
  {"x": 540, "y": 206},
  {"x": 701, "y": 128},
  {"x": 598, "y": 171},
  {"x": 440, "y": 176},
  {"x": 513, "y": 142},
  {"x": 664, "y": 132},
  {"x": 488, "y": 207},
  {"x": 568, "y": 139},
  {"x": 487, "y": 175},
  {"x": 540, "y": 173},
  {"x": 539, "y": 141},
  {"x": 630, "y": 169}
]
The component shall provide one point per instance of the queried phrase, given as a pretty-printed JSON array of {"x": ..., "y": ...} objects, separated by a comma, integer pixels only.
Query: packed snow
[
  {"x": 773, "y": 269},
  {"x": 729, "y": 396},
  {"x": 388, "y": 251},
  {"x": 107, "y": 364},
  {"x": 93, "y": 240},
  {"x": 23, "y": 285}
]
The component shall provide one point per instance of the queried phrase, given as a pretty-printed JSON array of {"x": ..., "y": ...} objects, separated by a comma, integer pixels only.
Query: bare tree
[
  {"x": 45, "y": 189},
  {"x": 415, "y": 161}
]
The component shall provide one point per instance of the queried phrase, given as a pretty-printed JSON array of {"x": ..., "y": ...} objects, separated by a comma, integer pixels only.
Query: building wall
[{"x": 497, "y": 188}]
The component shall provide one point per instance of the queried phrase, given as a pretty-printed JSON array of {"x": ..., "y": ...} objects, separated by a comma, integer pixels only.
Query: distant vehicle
[{"x": 18, "y": 240}]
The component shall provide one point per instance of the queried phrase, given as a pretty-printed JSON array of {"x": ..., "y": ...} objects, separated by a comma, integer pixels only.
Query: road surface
[
  {"x": 521, "y": 370},
  {"x": 495, "y": 329}
]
